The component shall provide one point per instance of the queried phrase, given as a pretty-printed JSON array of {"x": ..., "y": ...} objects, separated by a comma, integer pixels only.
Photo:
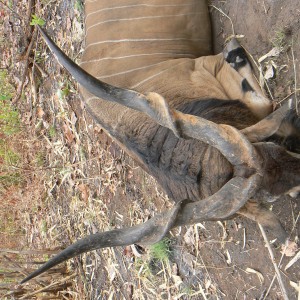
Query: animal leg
[
  {"x": 253, "y": 96},
  {"x": 257, "y": 212},
  {"x": 287, "y": 127},
  {"x": 233, "y": 84},
  {"x": 236, "y": 56}
]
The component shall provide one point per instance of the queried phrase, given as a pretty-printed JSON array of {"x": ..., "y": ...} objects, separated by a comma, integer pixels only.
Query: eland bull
[{"x": 195, "y": 121}]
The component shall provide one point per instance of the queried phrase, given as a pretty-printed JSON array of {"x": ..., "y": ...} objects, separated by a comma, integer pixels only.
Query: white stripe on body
[
  {"x": 128, "y": 71},
  {"x": 138, "y": 5},
  {"x": 144, "y": 80},
  {"x": 141, "y": 18},
  {"x": 142, "y": 40},
  {"x": 181, "y": 55},
  {"x": 154, "y": 75}
]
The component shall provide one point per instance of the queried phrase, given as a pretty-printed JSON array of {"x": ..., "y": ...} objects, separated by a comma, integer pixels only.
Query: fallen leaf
[
  {"x": 296, "y": 287},
  {"x": 189, "y": 236},
  {"x": 225, "y": 234},
  {"x": 111, "y": 296},
  {"x": 68, "y": 133},
  {"x": 293, "y": 192},
  {"x": 270, "y": 72},
  {"x": 289, "y": 249},
  {"x": 129, "y": 174},
  {"x": 207, "y": 284},
  {"x": 273, "y": 52},
  {"x": 83, "y": 188},
  {"x": 128, "y": 252},
  {"x": 177, "y": 280},
  {"x": 111, "y": 272},
  {"x": 259, "y": 275},
  {"x": 228, "y": 259},
  {"x": 129, "y": 290},
  {"x": 201, "y": 226},
  {"x": 39, "y": 112},
  {"x": 292, "y": 261},
  {"x": 68, "y": 24},
  {"x": 175, "y": 269}
]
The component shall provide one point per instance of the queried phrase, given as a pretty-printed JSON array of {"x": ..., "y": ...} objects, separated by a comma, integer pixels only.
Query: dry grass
[{"x": 77, "y": 182}]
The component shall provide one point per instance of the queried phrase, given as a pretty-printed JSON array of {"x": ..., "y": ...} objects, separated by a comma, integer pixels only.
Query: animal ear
[
  {"x": 228, "y": 140},
  {"x": 269, "y": 125},
  {"x": 229, "y": 199}
]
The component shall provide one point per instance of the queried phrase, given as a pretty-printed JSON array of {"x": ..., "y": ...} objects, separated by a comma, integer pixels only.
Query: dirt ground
[{"x": 87, "y": 184}]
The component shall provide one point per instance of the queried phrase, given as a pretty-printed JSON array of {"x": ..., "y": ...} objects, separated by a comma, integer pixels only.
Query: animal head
[{"x": 208, "y": 150}]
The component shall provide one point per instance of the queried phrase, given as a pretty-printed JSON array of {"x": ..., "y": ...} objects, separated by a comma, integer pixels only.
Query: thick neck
[{"x": 185, "y": 168}]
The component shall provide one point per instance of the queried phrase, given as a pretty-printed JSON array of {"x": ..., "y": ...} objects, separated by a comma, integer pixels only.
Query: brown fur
[
  {"x": 215, "y": 175},
  {"x": 182, "y": 167}
]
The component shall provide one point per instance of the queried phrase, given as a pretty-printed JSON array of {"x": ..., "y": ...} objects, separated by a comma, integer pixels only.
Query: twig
[
  {"x": 281, "y": 258},
  {"x": 202, "y": 291},
  {"x": 293, "y": 261},
  {"x": 22, "y": 271},
  {"x": 289, "y": 95},
  {"x": 20, "y": 88},
  {"x": 8, "y": 8},
  {"x": 29, "y": 30},
  {"x": 44, "y": 74},
  {"x": 14, "y": 263},
  {"x": 30, "y": 11},
  {"x": 28, "y": 251},
  {"x": 33, "y": 88},
  {"x": 265, "y": 9},
  {"x": 206, "y": 270},
  {"x": 270, "y": 286},
  {"x": 49, "y": 286},
  {"x": 259, "y": 68},
  {"x": 282, "y": 287},
  {"x": 295, "y": 78},
  {"x": 220, "y": 10}
]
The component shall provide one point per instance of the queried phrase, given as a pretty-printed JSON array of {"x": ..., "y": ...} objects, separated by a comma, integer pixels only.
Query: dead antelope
[{"x": 197, "y": 122}]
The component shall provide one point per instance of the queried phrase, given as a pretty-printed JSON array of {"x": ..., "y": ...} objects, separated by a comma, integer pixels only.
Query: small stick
[
  {"x": 220, "y": 10},
  {"x": 22, "y": 271},
  {"x": 28, "y": 251},
  {"x": 30, "y": 12},
  {"x": 282, "y": 287},
  {"x": 259, "y": 68},
  {"x": 49, "y": 286},
  {"x": 274, "y": 277},
  {"x": 295, "y": 78},
  {"x": 20, "y": 88},
  {"x": 8, "y": 8},
  {"x": 270, "y": 286},
  {"x": 292, "y": 93}
]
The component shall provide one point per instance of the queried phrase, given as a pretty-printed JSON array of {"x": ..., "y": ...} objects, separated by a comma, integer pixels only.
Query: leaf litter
[{"x": 83, "y": 185}]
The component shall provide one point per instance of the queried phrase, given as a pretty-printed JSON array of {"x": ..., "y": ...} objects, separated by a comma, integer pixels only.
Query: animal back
[{"x": 128, "y": 41}]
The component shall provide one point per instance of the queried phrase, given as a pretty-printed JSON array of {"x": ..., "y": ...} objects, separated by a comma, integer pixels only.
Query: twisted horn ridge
[
  {"x": 228, "y": 140},
  {"x": 269, "y": 125},
  {"x": 230, "y": 198}
]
